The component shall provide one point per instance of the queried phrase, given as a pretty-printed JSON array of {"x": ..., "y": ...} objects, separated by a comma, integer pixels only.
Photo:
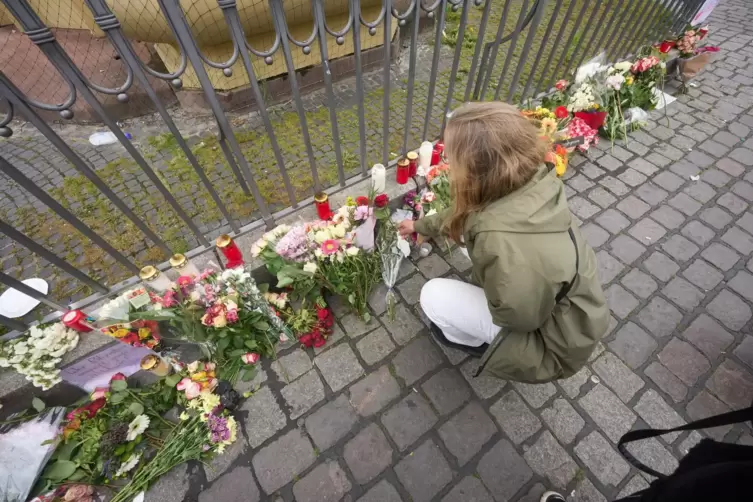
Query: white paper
[
  {"x": 704, "y": 12},
  {"x": 97, "y": 369},
  {"x": 663, "y": 99}
]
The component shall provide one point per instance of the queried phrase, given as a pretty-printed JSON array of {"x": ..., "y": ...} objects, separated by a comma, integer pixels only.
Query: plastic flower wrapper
[
  {"x": 393, "y": 248},
  {"x": 591, "y": 68}
]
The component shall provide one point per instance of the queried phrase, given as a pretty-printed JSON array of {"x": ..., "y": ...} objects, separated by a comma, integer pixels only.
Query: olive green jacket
[{"x": 522, "y": 256}]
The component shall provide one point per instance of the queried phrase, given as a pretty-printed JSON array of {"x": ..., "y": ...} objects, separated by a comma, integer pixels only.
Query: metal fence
[{"x": 511, "y": 50}]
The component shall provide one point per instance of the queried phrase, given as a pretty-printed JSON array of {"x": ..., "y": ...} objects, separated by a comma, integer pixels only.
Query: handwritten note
[{"x": 97, "y": 369}]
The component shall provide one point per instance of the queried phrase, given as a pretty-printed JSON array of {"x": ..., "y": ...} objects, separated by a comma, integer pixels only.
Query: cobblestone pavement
[{"x": 384, "y": 414}]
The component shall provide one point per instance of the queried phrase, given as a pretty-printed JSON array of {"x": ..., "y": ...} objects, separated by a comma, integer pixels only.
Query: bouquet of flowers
[
  {"x": 38, "y": 353},
  {"x": 139, "y": 333},
  {"x": 311, "y": 324}
]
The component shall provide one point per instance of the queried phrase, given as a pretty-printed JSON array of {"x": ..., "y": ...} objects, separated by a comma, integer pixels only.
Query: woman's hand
[{"x": 406, "y": 228}]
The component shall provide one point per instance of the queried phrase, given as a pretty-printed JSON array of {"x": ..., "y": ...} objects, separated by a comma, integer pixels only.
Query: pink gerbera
[{"x": 330, "y": 246}]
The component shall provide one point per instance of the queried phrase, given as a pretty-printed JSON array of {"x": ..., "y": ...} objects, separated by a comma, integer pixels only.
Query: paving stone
[
  {"x": 631, "y": 177},
  {"x": 594, "y": 234},
  {"x": 263, "y": 417},
  {"x": 303, "y": 394},
  {"x": 294, "y": 364},
  {"x": 502, "y": 458},
  {"x": 580, "y": 183},
  {"x": 406, "y": 270},
  {"x": 355, "y": 327},
  {"x": 279, "y": 463},
  {"x": 606, "y": 409},
  {"x": 721, "y": 256},
  {"x": 651, "y": 452},
  {"x": 410, "y": 289},
  {"x": 416, "y": 359},
  {"x": 742, "y": 284},
  {"x": 744, "y": 351},
  {"x": 236, "y": 486},
  {"x": 732, "y": 203},
  {"x": 620, "y": 301},
  {"x": 368, "y": 454},
  {"x": 743, "y": 156},
  {"x": 714, "y": 148},
  {"x": 582, "y": 208},
  {"x": 455, "y": 356},
  {"x": 660, "y": 266},
  {"x": 563, "y": 420},
  {"x": 408, "y": 420},
  {"x": 591, "y": 170},
  {"x": 684, "y": 294},
  {"x": 700, "y": 191},
  {"x": 703, "y": 275},
  {"x": 331, "y": 422},
  {"x": 689, "y": 442},
  {"x": 633, "y": 207},
  {"x": 685, "y": 204},
  {"x": 626, "y": 249},
  {"x": 613, "y": 221},
  {"x": 172, "y": 487},
  {"x": 467, "y": 432},
  {"x": 381, "y": 492},
  {"x": 424, "y": 472},
  {"x": 644, "y": 166},
  {"x": 334, "y": 337},
  {"x": 483, "y": 385},
  {"x": 609, "y": 163},
  {"x": 685, "y": 169},
  {"x": 514, "y": 417},
  {"x": 679, "y": 248},
  {"x": 433, "y": 266},
  {"x": 459, "y": 261},
  {"x": 669, "y": 151},
  {"x": 617, "y": 376},
  {"x": 715, "y": 177},
  {"x": 602, "y": 197},
  {"x": 698, "y": 232},
  {"x": 633, "y": 345},
  {"x": 374, "y": 392},
  {"x": 602, "y": 460},
  {"x": 659, "y": 317},
  {"x": 647, "y": 231},
  {"x": 704, "y": 405},
  {"x": 634, "y": 485},
  {"x": 614, "y": 185},
  {"x": 739, "y": 240},
  {"x": 326, "y": 482},
  {"x": 470, "y": 489},
  {"x": 446, "y": 390},
  {"x": 339, "y": 366},
  {"x": 727, "y": 138},
  {"x": 709, "y": 336},
  {"x": 639, "y": 283},
  {"x": 404, "y": 327},
  {"x": 375, "y": 346},
  {"x": 587, "y": 492},
  {"x": 536, "y": 395},
  {"x": 547, "y": 458},
  {"x": 684, "y": 361},
  {"x": 658, "y": 414},
  {"x": 572, "y": 385},
  {"x": 733, "y": 384},
  {"x": 666, "y": 381},
  {"x": 699, "y": 158},
  {"x": 668, "y": 181},
  {"x": 651, "y": 193},
  {"x": 746, "y": 222}
]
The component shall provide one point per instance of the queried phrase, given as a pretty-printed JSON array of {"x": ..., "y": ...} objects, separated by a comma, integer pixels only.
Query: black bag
[{"x": 711, "y": 471}]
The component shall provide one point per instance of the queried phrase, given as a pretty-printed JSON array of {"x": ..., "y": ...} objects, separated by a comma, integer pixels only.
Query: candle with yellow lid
[
  {"x": 183, "y": 265},
  {"x": 155, "y": 279}
]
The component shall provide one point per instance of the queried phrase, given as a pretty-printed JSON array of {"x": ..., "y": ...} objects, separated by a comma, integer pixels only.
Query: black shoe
[
  {"x": 438, "y": 335},
  {"x": 552, "y": 497}
]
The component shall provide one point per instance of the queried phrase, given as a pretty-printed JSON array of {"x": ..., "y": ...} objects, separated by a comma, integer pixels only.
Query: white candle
[
  {"x": 378, "y": 178},
  {"x": 155, "y": 280},
  {"x": 424, "y": 157}
]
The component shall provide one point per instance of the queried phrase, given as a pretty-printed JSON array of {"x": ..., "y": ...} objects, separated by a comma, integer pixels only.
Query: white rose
[
  {"x": 310, "y": 267},
  {"x": 321, "y": 236},
  {"x": 337, "y": 231},
  {"x": 352, "y": 251}
]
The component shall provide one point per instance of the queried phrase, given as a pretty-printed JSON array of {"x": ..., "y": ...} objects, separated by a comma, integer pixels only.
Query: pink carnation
[
  {"x": 578, "y": 127},
  {"x": 232, "y": 316}
]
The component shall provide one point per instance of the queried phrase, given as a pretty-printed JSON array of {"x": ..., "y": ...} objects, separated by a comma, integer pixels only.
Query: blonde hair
[{"x": 492, "y": 150}]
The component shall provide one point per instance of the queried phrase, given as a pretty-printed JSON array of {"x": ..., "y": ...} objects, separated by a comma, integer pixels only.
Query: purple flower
[
  {"x": 218, "y": 429},
  {"x": 362, "y": 212},
  {"x": 294, "y": 245}
]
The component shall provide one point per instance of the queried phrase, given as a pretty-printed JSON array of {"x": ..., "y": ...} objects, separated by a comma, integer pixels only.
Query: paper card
[
  {"x": 140, "y": 299},
  {"x": 97, "y": 369}
]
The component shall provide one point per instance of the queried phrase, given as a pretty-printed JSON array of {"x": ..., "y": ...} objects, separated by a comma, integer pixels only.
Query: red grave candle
[
  {"x": 412, "y": 163},
  {"x": 403, "y": 171},
  {"x": 230, "y": 250},
  {"x": 77, "y": 321},
  {"x": 436, "y": 154},
  {"x": 321, "y": 201},
  {"x": 666, "y": 46}
]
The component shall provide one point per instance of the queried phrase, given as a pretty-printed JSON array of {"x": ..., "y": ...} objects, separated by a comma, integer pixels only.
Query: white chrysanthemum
[
  {"x": 129, "y": 464},
  {"x": 137, "y": 426}
]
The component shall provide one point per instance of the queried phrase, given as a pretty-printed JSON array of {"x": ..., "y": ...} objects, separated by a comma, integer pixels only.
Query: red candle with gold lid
[
  {"x": 412, "y": 163},
  {"x": 436, "y": 154},
  {"x": 231, "y": 251},
  {"x": 77, "y": 321},
  {"x": 321, "y": 201},
  {"x": 403, "y": 171}
]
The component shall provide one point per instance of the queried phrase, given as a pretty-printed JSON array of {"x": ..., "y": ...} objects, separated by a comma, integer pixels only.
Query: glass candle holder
[
  {"x": 183, "y": 265},
  {"x": 77, "y": 321},
  {"x": 321, "y": 201},
  {"x": 412, "y": 163},
  {"x": 403, "y": 171},
  {"x": 424, "y": 156},
  {"x": 156, "y": 365},
  {"x": 154, "y": 279},
  {"x": 436, "y": 154},
  {"x": 230, "y": 250},
  {"x": 378, "y": 178}
]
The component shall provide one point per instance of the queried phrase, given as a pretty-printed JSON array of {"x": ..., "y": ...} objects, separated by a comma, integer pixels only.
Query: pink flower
[
  {"x": 117, "y": 376},
  {"x": 579, "y": 127},
  {"x": 210, "y": 366},
  {"x": 232, "y": 316},
  {"x": 100, "y": 393},
  {"x": 250, "y": 358},
  {"x": 184, "y": 280},
  {"x": 206, "y": 273},
  {"x": 428, "y": 197},
  {"x": 168, "y": 300},
  {"x": 561, "y": 85},
  {"x": 362, "y": 212},
  {"x": 330, "y": 247},
  {"x": 192, "y": 389}
]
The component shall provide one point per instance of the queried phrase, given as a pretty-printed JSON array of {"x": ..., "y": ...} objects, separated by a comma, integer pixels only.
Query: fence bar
[
  {"x": 614, "y": 52},
  {"x": 13, "y": 323},
  {"x": 618, "y": 28},
  {"x": 605, "y": 32},
  {"x": 43, "y": 196},
  {"x": 511, "y": 49},
  {"x": 442, "y": 5},
  {"x": 527, "y": 48},
  {"x": 487, "y": 63},
  {"x": 540, "y": 52},
  {"x": 16, "y": 97},
  {"x": 45, "y": 40},
  {"x": 386, "y": 82},
  {"x": 51, "y": 257},
  {"x": 590, "y": 44},
  {"x": 176, "y": 20},
  {"x": 466, "y": 6},
  {"x": 585, "y": 30},
  {"x": 647, "y": 20},
  {"x": 108, "y": 23},
  {"x": 416, "y": 21},
  {"x": 477, "y": 50},
  {"x": 543, "y": 80},
  {"x": 278, "y": 15},
  {"x": 29, "y": 291},
  {"x": 222, "y": 140},
  {"x": 355, "y": 12},
  {"x": 322, "y": 36}
]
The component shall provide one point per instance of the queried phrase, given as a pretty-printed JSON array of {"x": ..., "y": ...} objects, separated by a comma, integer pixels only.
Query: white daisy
[
  {"x": 137, "y": 426},
  {"x": 128, "y": 464}
]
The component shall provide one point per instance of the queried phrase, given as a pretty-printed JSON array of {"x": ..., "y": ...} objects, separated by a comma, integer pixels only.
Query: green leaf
[
  {"x": 118, "y": 385},
  {"x": 238, "y": 341},
  {"x": 248, "y": 374},
  {"x": 65, "y": 452},
  {"x": 38, "y": 404},
  {"x": 60, "y": 470},
  {"x": 222, "y": 344},
  {"x": 136, "y": 408},
  {"x": 251, "y": 344},
  {"x": 78, "y": 475},
  {"x": 237, "y": 352},
  {"x": 117, "y": 397},
  {"x": 172, "y": 380},
  {"x": 261, "y": 325},
  {"x": 284, "y": 281}
]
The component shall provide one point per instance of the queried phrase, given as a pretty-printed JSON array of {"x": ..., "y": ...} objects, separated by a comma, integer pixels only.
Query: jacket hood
[{"x": 540, "y": 206}]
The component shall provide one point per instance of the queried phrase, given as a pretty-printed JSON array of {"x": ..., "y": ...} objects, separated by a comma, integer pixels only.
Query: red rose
[
  {"x": 131, "y": 339},
  {"x": 93, "y": 407},
  {"x": 561, "y": 112},
  {"x": 328, "y": 322},
  {"x": 362, "y": 200},
  {"x": 319, "y": 341},
  {"x": 307, "y": 340},
  {"x": 322, "y": 313},
  {"x": 117, "y": 376},
  {"x": 381, "y": 200},
  {"x": 184, "y": 280}
]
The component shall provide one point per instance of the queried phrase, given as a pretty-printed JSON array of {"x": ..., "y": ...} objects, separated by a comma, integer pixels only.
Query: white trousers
[{"x": 460, "y": 310}]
